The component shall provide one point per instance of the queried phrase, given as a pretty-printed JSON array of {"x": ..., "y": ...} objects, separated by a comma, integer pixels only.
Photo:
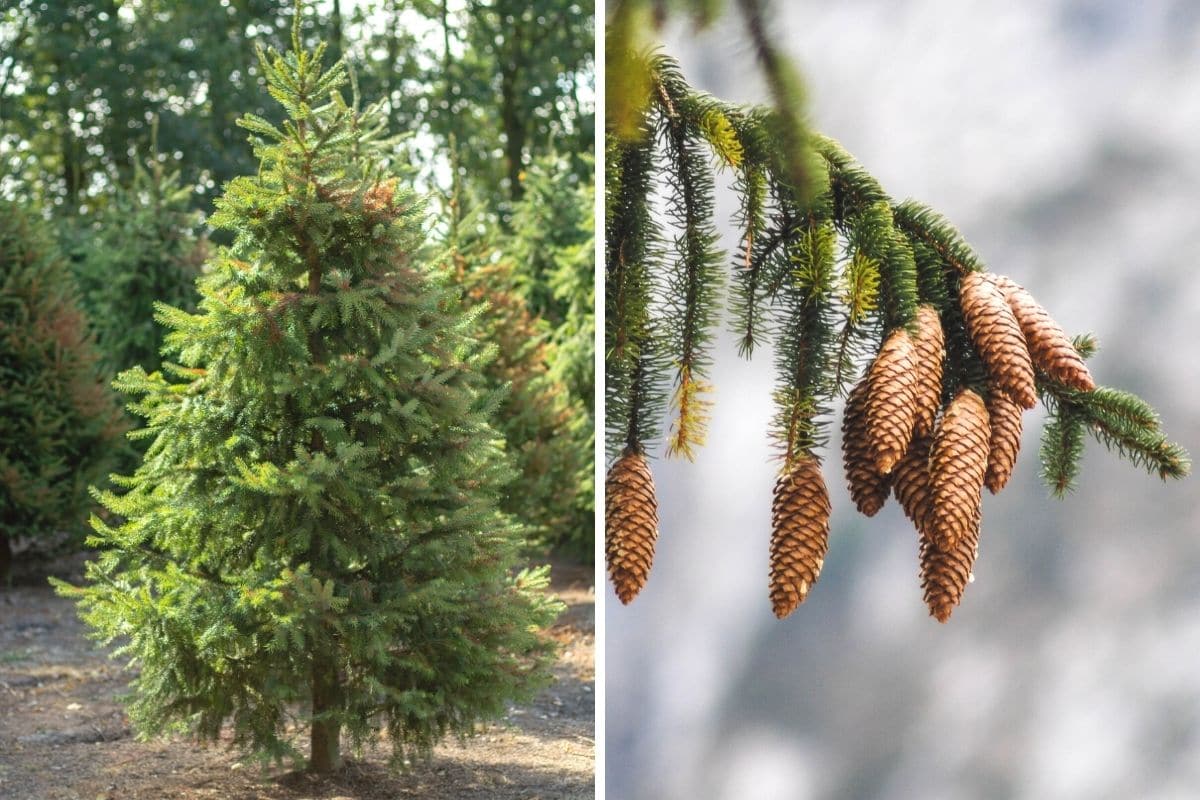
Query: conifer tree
[
  {"x": 141, "y": 248},
  {"x": 553, "y": 244},
  {"x": 539, "y": 419},
  {"x": 554, "y": 239},
  {"x": 313, "y": 534},
  {"x": 59, "y": 423},
  {"x": 535, "y": 287},
  {"x": 854, "y": 290}
]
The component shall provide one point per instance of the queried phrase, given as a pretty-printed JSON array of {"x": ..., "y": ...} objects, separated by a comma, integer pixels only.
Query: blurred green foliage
[
  {"x": 58, "y": 419},
  {"x": 496, "y": 96},
  {"x": 536, "y": 291},
  {"x": 144, "y": 247}
]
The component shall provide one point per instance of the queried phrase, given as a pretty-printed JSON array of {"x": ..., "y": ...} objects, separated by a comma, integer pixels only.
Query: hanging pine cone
[
  {"x": 957, "y": 464},
  {"x": 1004, "y": 417},
  {"x": 910, "y": 482},
  {"x": 868, "y": 489},
  {"x": 946, "y": 573},
  {"x": 931, "y": 350},
  {"x": 1049, "y": 346},
  {"x": 891, "y": 399},
  {"x": 998, "y": 338},
  {"x": 799, "y": 536},
  {"x": 630, "y": 524}
]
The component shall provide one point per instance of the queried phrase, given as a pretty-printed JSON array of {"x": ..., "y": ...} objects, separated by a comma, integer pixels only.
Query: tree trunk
[
  {"x": 456, "y": 209},
  {"x": 514, "y": 131},
  {"x": 335, "y": 32},
  {"x": 5, "y": 560},
  {"x": 513, "y": 60},
  {"x": 325, "y": 755}
]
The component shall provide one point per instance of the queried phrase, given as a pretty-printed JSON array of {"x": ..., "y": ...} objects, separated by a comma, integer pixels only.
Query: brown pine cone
[
  {"x": 630, "y": 524},
  {"x": 1004, "y": 417},
  {"x": 957, "y": 464},
  {"x": 946, "y": 573},
  {"x": 799, "y": 536},
  {"x": 868, "y": 489},
  {"x": 910, "y": 482},
  {"x": 998, "y": 338},
  {"x": 931, "y": 350},
  {"x": 1049, "y": 345},
  {"x": 891, "y": 399}
]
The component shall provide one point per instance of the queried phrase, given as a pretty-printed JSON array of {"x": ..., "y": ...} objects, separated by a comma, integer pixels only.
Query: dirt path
[{"x": 63, "y": 735}]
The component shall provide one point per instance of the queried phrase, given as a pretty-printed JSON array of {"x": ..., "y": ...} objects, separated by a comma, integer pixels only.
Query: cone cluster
[
  {"x": 799, "y": 534},
  {"x": 630, "y": 524},
  {"x": 950, "y": 454},
  {"x": 904, "y": 433}
]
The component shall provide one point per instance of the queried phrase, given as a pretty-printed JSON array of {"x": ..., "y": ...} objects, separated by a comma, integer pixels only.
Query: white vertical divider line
[{"x": 598, "y": 466}]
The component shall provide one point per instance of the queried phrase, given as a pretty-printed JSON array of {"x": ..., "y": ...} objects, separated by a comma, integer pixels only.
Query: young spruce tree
[
  {"x": 58, "y": 421},
  {"x": 313, "y": 534}
]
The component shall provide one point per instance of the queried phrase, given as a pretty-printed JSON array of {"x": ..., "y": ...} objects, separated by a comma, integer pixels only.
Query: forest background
[{"x": 117, "y": 124}]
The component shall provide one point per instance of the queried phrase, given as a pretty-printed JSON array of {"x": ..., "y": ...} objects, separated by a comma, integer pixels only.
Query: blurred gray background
[{"x": 1063, "y": 139}]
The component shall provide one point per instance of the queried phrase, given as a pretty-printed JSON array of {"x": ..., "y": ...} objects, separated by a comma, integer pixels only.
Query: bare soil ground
[{"x": 64, "y": 736}]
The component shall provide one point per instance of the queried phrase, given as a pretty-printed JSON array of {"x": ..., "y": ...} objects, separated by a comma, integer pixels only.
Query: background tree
[
  {"x": 498, "y": 95},
  {"x": 499, "y": 84},
  {"x": 502, "y": 85},
  {"x": 553, "y": 241},
  {"x": 139, "y": 249},
  {"x": 510, "y": 102},
  {"x": 84, "y": 79},
  {"x": 59, "y": 424},
  {"x": 315, "y": 523},
  {"x": 549, "y": 431}
]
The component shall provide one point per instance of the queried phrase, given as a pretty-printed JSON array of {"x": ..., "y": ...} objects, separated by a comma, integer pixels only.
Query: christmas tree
[
  {"x": 862, "y": 297},
  {"x": 313, "y": 534},
  {"x": 58, "y": 420}
]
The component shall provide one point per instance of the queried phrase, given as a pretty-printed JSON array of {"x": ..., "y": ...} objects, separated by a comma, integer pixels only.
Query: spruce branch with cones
[{"x": 860, "y": 296}]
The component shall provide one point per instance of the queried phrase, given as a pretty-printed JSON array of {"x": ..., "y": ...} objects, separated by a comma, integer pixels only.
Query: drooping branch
[{"x": 835, "y": 276}]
